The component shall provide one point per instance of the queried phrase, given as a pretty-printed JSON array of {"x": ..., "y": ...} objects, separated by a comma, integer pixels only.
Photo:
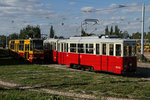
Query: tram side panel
[
  {"x": 73, "y": 58},
  {"x": 91, "y": 60},
  {"x": 54, "y": 56}
]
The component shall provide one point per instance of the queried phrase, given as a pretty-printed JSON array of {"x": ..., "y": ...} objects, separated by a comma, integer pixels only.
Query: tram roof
[
  {"x": 50, "y": 40},
  {"x": 96, "y": 39}
]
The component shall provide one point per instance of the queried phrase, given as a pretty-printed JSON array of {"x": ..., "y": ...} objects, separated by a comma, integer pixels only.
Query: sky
[{"x": 67, "y": 16}]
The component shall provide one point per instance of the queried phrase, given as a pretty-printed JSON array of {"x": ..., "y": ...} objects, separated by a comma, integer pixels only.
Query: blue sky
[{"x": 16, "y": 14}]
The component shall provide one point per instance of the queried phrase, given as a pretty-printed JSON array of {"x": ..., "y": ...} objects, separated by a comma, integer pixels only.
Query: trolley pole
[{"x": 142, "y": 31}]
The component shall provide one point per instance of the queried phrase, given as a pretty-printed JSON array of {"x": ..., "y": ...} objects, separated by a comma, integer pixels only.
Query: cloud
[
  {"x": 72, "y": 3},
  {"x": 113, "y": 5},
  {"x": 88, "y": 9}
]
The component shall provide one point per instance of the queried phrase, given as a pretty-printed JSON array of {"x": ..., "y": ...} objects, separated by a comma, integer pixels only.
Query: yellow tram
[{"x": 29, "y": 49}]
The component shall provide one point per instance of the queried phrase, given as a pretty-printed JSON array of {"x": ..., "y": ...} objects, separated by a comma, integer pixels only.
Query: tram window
[
  {"x": 65, "y": 47},
  {"x": 89, "y": 48},
  {"x": 80, "y": 48},
  {"x": 12, "y": 44},
  {"x": 118, "y": 49},
  {"x": 133, "y": 50},
  {"x": 21, "y": 45},
  {"x": 111, "y": 49},
  {"x": 97, "y": 49},
  {"x": 46, "y": 46},
  {"x": 58, "y": 47},
  {"x": 126, "y": 51},
  {"x": 31, "y": 45},
  {"x": 73, "y": 47},
  {"x": 53, "y": 46},
  {"x": 130, "y": 50},
  {"x": 104, "y": 49}
]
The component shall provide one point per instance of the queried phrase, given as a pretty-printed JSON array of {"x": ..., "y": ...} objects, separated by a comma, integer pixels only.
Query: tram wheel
[{"x": 91, "y": 69}]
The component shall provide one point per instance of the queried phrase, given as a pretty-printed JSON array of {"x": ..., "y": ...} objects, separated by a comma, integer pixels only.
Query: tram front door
[{"x": 26, "y": 51}]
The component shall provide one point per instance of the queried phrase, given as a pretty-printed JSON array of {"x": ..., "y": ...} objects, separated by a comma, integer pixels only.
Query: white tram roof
[
  {"x": 50, "y": 40},
  {"x": 96, "y": 39}
]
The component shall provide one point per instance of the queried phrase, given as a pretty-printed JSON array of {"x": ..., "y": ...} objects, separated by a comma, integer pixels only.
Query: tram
[
  {"x": 95, "y": 53},
  {"x": 28, "y": 49}
]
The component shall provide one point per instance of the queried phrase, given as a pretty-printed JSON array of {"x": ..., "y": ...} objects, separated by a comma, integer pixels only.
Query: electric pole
[{"x": 142, "y": 31}]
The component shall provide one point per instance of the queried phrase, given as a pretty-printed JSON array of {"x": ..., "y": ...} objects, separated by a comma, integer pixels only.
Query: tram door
[{"x": 26, "y": 51}]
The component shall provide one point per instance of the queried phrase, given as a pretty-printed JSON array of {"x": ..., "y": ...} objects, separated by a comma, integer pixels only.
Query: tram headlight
[{"x": 130, "y": 64}]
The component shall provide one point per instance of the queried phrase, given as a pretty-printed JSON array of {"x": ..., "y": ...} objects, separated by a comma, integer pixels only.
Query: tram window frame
[
  {"x": 80, "y": 48},
  {"x": 73, "y": 47},
  {"x": 62, "y": 47},
  {"x": 111, "y": 50},
  {"x": 118, "y": 51},
  {"x": 89, "y": 48},
  {"x": 97, "y": 48},
  {"x": 104, "y": 49}
]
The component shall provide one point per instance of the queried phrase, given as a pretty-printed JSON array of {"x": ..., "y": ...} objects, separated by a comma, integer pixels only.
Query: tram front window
[
  {"x": 38, "y": 45},
  {"x": 129, "y": 50}
]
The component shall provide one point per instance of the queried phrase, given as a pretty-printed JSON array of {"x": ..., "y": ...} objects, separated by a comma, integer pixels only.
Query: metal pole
[{"x": 142, "y": 31}]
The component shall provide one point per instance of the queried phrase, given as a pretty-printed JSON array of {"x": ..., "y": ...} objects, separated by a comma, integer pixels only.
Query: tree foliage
[
  {"x": 30, "y": 32},
  {"x": 136, "y": 35},
  {"x": 107, "y": 30},
  {"x": 52, "y": 32},
  {"x": 3, "y": 40}
]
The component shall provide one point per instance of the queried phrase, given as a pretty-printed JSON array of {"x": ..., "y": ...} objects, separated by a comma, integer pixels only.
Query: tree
[
  {"x": 30, "y": 32},
  {"x": 3, "y": 40},
  {"x": 13, "y": 36},
  {"x": 106, "y": 30},
  {"x": 125, "y": 35},
  {"x": 51, "y": 32},
  {"x": 136, "y": 35},
  {"x": 117, "y": 30},
  {"x": 111, "y": 30}
]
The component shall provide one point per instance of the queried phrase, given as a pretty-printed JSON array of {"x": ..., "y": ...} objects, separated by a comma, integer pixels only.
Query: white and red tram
[{"x": 94, "y": 53}]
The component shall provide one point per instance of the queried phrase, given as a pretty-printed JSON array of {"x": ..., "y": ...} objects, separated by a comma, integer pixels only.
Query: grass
[
  {"x": 98, "y": 84},
  {"x": 14, "y": 94}
]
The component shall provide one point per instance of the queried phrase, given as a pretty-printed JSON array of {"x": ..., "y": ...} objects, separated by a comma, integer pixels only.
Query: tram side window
[
  {"x": 104, "y": 49},
  {"x": 118, "y": 49},
  {"x": 58, "y": 47},
  {"x": 65, "y": 47},
  {"x": 46, "y": 46},
  {"x": 12, "y": 45},
  {"x": 73, "y": 47},
  {"x": 31, "y": 45},
  {"x": 111, "y": 49},
  {"x": 80, "y": 48},
  {"x": 21, "y": 45},
  {"x": 97, "y": 49},
  {"x": 89, "y": 48}
]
